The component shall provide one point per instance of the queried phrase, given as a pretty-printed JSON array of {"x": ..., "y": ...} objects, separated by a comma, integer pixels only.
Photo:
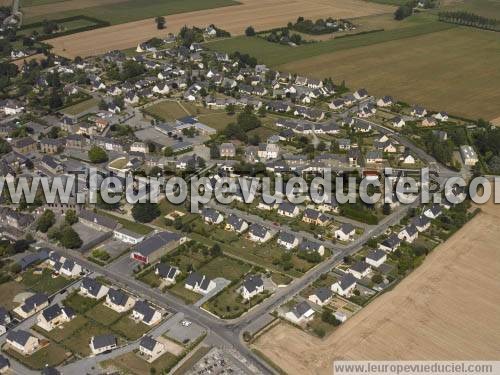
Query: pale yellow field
[
  {"x": 261, "y": 14},
  {"x": 447, "y": 309}
]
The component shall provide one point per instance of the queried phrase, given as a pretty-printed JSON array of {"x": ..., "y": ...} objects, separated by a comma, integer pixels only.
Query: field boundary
[{"x": 97, "y": 25}]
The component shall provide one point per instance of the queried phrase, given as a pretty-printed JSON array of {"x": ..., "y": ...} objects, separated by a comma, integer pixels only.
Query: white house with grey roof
[
  {"x": 32, "y": 305},
  {"x": 321, "y": 296},
  {"x": 211, "y": 216},
  {"x": 102, "y": 343},
  {"x": 54, "y": 316},
  {"x": 252, "y": 286},
  {"x": 152, "y": 248},
  {"x": 5, "y": 320},
  {"x": 259, "y": 233},
  {"x": 288, "y": 240},
  {"x": 434, "y": 211},
  {"x": 345, "y": 286},
  {"x": 376, "y": 258},
  {"x": 390, "y": 244},
  {"x": 119, "y": 301},
  {"x": 4, "y": 364},
  {"x": 360, "y": 269},
  {"x": 151, "y": 348},
  {"x": 199, "y": 283},
  {"x": 91, "y": 288},
  {"x": 345, "y": 232},
  {"x": 127, "y": 236},
  {"x": 23, "y": 342},
  {"x": 422, "y": 223},
  {"x": 167, "y": 272},
  {"x": 408, "y": 233},
  {"x": 300, "y": 313},
  {"x": 288, "y": 209},
  {"x": 70, "y": 268},
  {"x": 143, "y": 312},
  {"x": 312, "y": 246},
  {"x": 236, "y": 224}
]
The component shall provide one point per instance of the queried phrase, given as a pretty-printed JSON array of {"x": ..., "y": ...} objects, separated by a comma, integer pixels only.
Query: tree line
[{"x": 470, "y": 19}]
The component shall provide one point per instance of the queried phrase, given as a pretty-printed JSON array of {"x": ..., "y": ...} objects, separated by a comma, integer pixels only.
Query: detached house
[
  {"x": 144, "y": 313},
  {"x": 376, "y": 258},
  {"x": 314, "y": 217},
  {"x": 360, "y": 94},
  {"x": 390, "y": 244},
  {"x": 70, "y": 269},
  {"x": 345, "y": 286},
  {"x": 211, "y": 216},
  {"x": 359, "y": 269},
  {"x": 119, "y": 301},
  {"x": 54, "y": 316},
  {"x": 23, "y": 342},
  {"x": 32, "y": 305},
  {"x": 152, "y": 248},
  {"x": 199, "y": 283},
  {"x": 236, "y": 224},
  {"x": 418, "y": 111},
  {"x": 321, "y": 296},
  {"x": 422, "y": 223},
  {"x": 92, "y": 289},
  {"x": 102, "y": 343},
  {"x": 167, "y": 272},
  {"x": 252, "y": 286},
  {"x": 300, "y": 313},
  {"x": 398, "y": 122},
  {"x": 385, "y": 101},
  {"x": 288, "y": 240},
  {"x": 258, "y": 233},
  {"x": 345, "y": 232},
  {"x": 409, "y": 233},
  {"x": 150, "y": 347},
  {"x": 433, "y": 212},
  {"x": 288, "y": 209},
  {"x": 312, "y": 246},
  {"x": 5, "y": 320}
]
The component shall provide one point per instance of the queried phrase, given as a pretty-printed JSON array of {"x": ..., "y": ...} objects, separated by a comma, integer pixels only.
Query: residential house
[
  {"x": 422, "y": 223},
  {"x": 376, "y": 258},
  {"x": 167, "y": 272},
  {"x": 345, "y": 286},
  {"x": 300, "y": 313},
  {"x": 321, "y": 296},
  {"x": 359, "y": 269},
  {"x": 385, "y": 101},
  {"x": 469, "y": 156},
  {"x": 259, "y": 233},
  {"x": 51, "y": 146},
  {"x": 5, "y": 320},
  {"x": 312, "y": 246},
  {"x": 374, "y": 157},
  {"x": 54, "y": 316},
  {"x": 360, "y": 94},
  {"x": 345, "y": 232},
  {"x": 441, "y": 116},
  {"x": 288, "y": 240},
  {"x": 119, "y": 301},
  {"x": 4, "y": 364},
  {"x": 70, "y": 268},
  {"x": 315, "y": 217},
  {"x": 418, "y": 111},
  {"x": 236, "y": 224},
  {"x": 24, "y": 145},
  {"x": 409, "y": 233},
  {"x": 98, "y": 222},
  {"x": 32, "y": 305},
  {"x": 429, "y": 121},
  {"x": 23, "y": 342},
  {"x": 151, "y": 348},
  {"x": 211, "y": 216},
  {"x": 390, "y": 244},
  {"x": 199, "y": 283},
  {"x": 288, "y": 209},
  {"x": 91, "y": 288},
  {"x": 127, "y": 236},
  {"x": 144, "y": 313},
  {"x": 102, "y": 343},
  {"x": 398, "y": 122},
  {"x": 433, "y": 212},
  {"x": 252, "y": 286},
  {"x": 227, "y": 150}
]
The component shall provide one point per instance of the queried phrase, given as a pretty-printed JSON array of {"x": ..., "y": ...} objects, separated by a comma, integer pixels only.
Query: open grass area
[
  {"x": 79, "y": 342},
  {"x": 228, "y": 268},
  {"x": 51, "y": 355},
  {"x": 8, "y": 291},
  {"x": 80, "y": 107},
  {"x": 103, "y": 315},
  {"x": 126, "y": 11},
  {"x": 128, "y": 224},
  {"x": 132, "y": 363},
  {"x": 79, "y": 303},
  {"x": 186, "y": 295},
  {"x": 130, "y": 329},
  {"x": 485, "y": 8},
  {"x": 44, "y": 282},
  {"x": 167, "y": 110},
  {"x": 68, "y": 329}
]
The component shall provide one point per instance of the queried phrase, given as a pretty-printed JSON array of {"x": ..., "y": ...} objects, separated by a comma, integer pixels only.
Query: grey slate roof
[
  {"x": 142, "y": 307},
  {"x": 4, "y": 362},
  {"x": 323, "y": 293},
  {"x": 392, "y": 241},
  {"x": 253, "y": 282},
  {"x": 360, "y": 266},
  {"x": 155, "y": 242},
  {"x": 117, "y": 297},
  {"x": 98, "y": 219},
  {"x": 301, "y": 308},
  {"x": 347, "y": 280},
  {"x": 148, "y": 342},
  {"x": 347, "y": 228},
  {"x": 308, "y": 245},
  {"x": 21, "y": 337},
  {"x": 166, "y": 270},
  {"x": 235, "y": 221},
  {"x": 103, "y": 341},
  {"x": 258, "y": 230},
  {"x": 193, "y": 279},
  {"x": 376, "y": 254},
  {"x": 287, "y": 237},
  {"x": 35, "y": 300},
  {"x": 92, "y": 286}
]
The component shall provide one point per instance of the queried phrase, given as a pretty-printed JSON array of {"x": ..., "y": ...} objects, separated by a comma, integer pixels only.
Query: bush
[
  {"x": 97, "y": 155},
  {"x": 250, "y": 31}
]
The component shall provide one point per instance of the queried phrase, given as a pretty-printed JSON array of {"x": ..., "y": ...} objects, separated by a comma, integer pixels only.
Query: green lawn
[
  {"x": 130, "y": 329},
  {"x": 103, "y": 315},
  {"x": 150, "y": 278},
  {"x": 167, "y": 110},
  {"x": 79, "y": 303},
  {"x": 132, "y": 363},
  {"x": 485, "y": 8},
  {"x": 186, "y": 295},
  {"x": 230, "y": 269},
  {"x": 79, "y": 342},
  {"x": 80, "y": 107},
  {"x": 51, "y": 355},
  {"x": 44, "y": 282},
  {"x": 68, "y": 329},
  {"x": 134, "y": 10},
  {"x": 128, "y": 224}
]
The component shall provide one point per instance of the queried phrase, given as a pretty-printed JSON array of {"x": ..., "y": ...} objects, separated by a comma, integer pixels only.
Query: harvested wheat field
[
  {"x": 261, "y": 14},
  {"x": 447, "y": 309}
]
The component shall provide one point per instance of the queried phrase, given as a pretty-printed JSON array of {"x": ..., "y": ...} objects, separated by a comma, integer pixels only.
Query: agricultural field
[
  {"x": 261, "y": 14},
  {"x": 425, "y": 312},
  {"x": 114, "y": 11},
  {"x": 485, "y": 8},
  {"x": 84, "y": 106}
]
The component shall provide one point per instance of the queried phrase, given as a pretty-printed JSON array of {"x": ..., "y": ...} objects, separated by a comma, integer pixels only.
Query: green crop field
[{"x": 125, "y": 11}]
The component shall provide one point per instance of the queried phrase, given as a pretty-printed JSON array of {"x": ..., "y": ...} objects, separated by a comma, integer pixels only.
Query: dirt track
[
  {"x": 447, "y": 309},
  {"x": 261, "y": 14}
]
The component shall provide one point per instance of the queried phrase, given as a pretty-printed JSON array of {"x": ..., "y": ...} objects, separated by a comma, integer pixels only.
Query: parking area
[{"x": 182, "y": 330}]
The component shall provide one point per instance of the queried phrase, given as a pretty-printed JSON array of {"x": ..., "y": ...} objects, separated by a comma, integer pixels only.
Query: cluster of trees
[
  {"x": 160, "y": 22},
  {"x": 66, "y": 236},
  {"x": 320, "y": 26},
  {"x": 250, "y": 31},
  {"x": 49, "y": 27},
  {"x": 470, "y": 19},
  {"x": 145, "y": 212},
  {"x": 7, "y": 72},
  {"x": 487, "y": 143},
  {"x": 131, "y": 69},
  {"x": 188, "y": 36},
  {"x": 245, "y": 122},
  {"x": 97, "y": 155},
  {"x": 283, "y": 36},
  {"x": 406, "y": 10},
  {"x": 244, "y": 59},
  {"x": 441, "y": 150}
]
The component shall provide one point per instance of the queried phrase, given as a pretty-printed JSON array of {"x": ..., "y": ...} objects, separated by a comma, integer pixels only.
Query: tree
[
  {"x": 69, "y": 238},
  {"x": 97, "y": 155},
  {"x": 71, "y": 217},
  {"x": 377, "y": 278},
  {"x": 230, "y": 109},
  {"x": 160, "y": 22},
  {"x": 47, "y": 220},
  {"x": 250, "y": 31},
  {"x": 145, "y": 212}
]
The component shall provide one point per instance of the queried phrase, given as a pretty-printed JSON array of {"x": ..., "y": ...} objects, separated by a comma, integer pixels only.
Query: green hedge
[{"x": 97, "y": 24}]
